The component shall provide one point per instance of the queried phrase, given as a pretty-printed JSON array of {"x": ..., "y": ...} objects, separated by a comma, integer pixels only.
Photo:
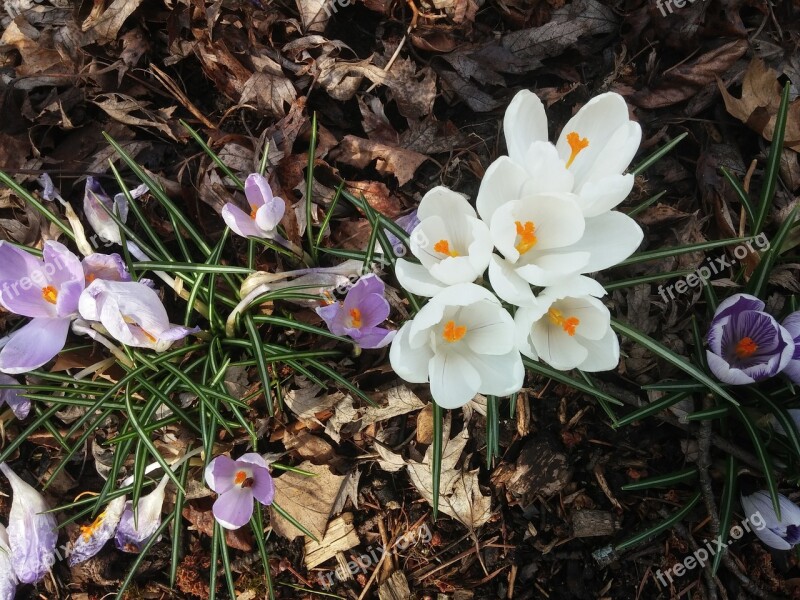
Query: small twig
[
  {"x": 703, "y": 465},
  {"x": 748, "y": 584}
]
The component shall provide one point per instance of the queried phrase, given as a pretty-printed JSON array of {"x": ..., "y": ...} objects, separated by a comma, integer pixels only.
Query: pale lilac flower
[
  {"x": 745, "y": 344},
  {"x": 781, "y": 534},
  {"x": 408, "y": 222},
  {"x": 238, "y": 482},
  {"x": 46, "y": 289},
  {"x": 93, "y": 537},
  {"x": 363, "y": 309},
  {"x": 109, "y": 267},
  {"x": 133, "y": 534},
  {"x": 95, "y": 198},
  {"x": 266, "y": 211},
  {"x": 132, "y": 313},
  {"x": 19, "y": 405},
  {"x": 8, "y": 579},
  {"x": 32, "y": 532},
  {"x": 792, "y": 325}
]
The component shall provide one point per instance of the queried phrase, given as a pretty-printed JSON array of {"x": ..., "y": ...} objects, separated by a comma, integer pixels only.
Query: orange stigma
[
  {"x": 50, "y": 294},
  {"x": 745, "y": 348},
  {"x": 443, "y": 247},
  {"x": 452, "y": 332},
  {"x": 576, "y": 144},
  {"x": 253, "y": 211},
  {"x": 88, "y": 530},
  {"x": 90, "y": 278},
  {"x": 568, "y": 324},
  {"x": 240, "y": 477},
  {"x": 526, "y": 232},
  {"x": 355, "y": 318}
]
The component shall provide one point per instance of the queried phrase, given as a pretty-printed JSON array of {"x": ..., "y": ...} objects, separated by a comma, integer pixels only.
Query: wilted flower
[
  {"x": 462, "y": 341},
  {"x": 95, "y": 198},
  {"x": 46, "y": 289},
  {"x": 93, "y": 537},
  {"x": 133, "y": 533},
  {"x": 450, "y": 241},
  {"x": 238, "y": 482},
  {"x": 792, "y": 325},
  {"x": 569, "y": 328},
  {"x": 109, "y": 267},
  {"x": 132, "y": 313},
  {"x": 363, "y": 309},
  {"x": 32, "y": 532},
  {"x": 745, "y": 344},
  {"x": 266, "y": 211},
  {"x": 8, "y": 579},
  {"x": 19, "y": 405},
  {"x": 781, "y": 534}
]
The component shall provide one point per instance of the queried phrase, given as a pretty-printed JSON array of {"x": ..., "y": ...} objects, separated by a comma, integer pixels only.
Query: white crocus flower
[
  {"x": 451, "y": 243},
  {"x": 569, "y": 328},
  {"x": 781, "y": 534},
  {"x": 536, "y": 236},
  {"x": 462, "y": 341},
  {"x": 593, "y": 150}
]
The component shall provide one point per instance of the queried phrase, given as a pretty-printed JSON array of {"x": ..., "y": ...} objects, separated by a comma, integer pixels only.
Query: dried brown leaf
[{"x": 359, "y": 152}]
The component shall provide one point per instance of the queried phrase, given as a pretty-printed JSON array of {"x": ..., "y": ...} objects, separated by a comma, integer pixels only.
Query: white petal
[
  {"x": 525, "y": 122},
  {"x": 555, "y": 347},
  {"x": 454, "y": 381},
  {"x": 603, "y": 354},
  {"x": 524, "y": 320},
  {"x": 443, "y": 202},
  {"x": 504, "y": 181},
  {"x": 509, "y": 286},
  {"x": 546, "y": 170},
  {"x": 609, "y": 239},
  {"x": 490, "y": 329},
  {"x": 617, "y": 153},
  {"x": 501, "y": 375},
  {"x": 8, "y": 580},
  {"x": 409, "y": 363},
  {"x": 595, "y": 320},
  {"x": 554, "y": 268},
  {"x": 604, "y": 194},
  {"x": 580, "y": 285},
  {"x": 416, "y": 278}
]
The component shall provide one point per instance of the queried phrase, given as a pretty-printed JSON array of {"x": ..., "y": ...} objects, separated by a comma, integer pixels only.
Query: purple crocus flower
[
  {"x": 238, "y": 482},
  {"x": 745, "y": 343},
  {"x": 19, "y": 406},
  {"x": 109, "y": 267},
  {"x": 32, "y": 531},
  {"x": 781, "y": 534},
  {"x": 132, "y": 313},
  {"x": 408, "y": 222},
  {"x": 94, "y": 199},
  {"x": 133, "y": 533},
  {"x": 358, "y": 317},
  {"x": 792, "y": 325},
  {"x": 8, "y": 579},
  {"x": 93, "y": 537},
  {"x": 266, "y": 211},
  {"x": 46, "y": 289}
]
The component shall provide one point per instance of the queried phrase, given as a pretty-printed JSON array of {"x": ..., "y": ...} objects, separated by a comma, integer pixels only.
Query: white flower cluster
[{"x": 544, "y": 220}]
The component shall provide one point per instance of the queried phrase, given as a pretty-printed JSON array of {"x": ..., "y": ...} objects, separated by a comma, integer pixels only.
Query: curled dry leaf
[
  {"x": 359, "y": 152},
  {"x": 758, "y": 106},
  {"x": 107, "y": 25}
]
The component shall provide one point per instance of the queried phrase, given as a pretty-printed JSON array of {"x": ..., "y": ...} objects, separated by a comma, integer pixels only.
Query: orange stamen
[
  {"x": 452, "y": 332},
  {"x": 90, "y": 278},
  {"x": 253, "y": 211},
  {"x": 240, "y": 477},
  {"x": 50, "y": 294},
  {"x": 527, "y": 233},
  {"x": 576, "y": 144},
  {"x": 746, "y": 348},
  {"x": 568, "y": 324},
  {"x": 443, "y": 246},
  {"x": 88, "y": 530},
  {"x": 355, "y": 318}
]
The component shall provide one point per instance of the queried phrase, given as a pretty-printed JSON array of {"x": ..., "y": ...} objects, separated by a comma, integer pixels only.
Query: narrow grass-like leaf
[
  {"x": 261, "y": 363},
  {"x": 650, "y": 409},
  {"x": 784, "y": 418},
  {"x": 650, "y": 201},
  {"x": 677, "y": 517},
  {"x": 212, "y": 155},
  {"x": 744, "y": 199},
  {"x": 674, "y": 359},
  {"x": 177, "y": 512},
  {"x": 621, "y": 284},
  {"x": 641, "y": 257},
  {"x": 661, "y": 481},
  {"x": 31, "y": 199},
  {"x": 141, "y": 556},
  {"x": 763, "y": 457},
  {"x": 717, "y": 412},
  {"x": 760, "y": 278},
  {"x": 257, "y": 524},
  {"x": 726, "y": 506},
  {"x": 562, "y": 377},
  {"x": 657, "y": 155},
  {"x": 772, "y": 170},
  {"x": 293, "y": 521},
  {"x": 312, "y": 151}
]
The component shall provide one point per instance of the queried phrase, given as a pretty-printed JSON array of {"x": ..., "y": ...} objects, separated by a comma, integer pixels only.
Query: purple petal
[
  {"x": 792, "y": 325},
  {"x": 269, "y": 216},
  {"x": 94, "y": 199},
  {"x": 133, "y": 534},
  {"x": 234, "y": 508},
  {"x": 263, "y": 487},
  {"x": 19, "y": 405},
  {"x": 374, "y": 309},
  {"x": 66, "y": 266},
  {"x": 366, "y": 286},
  {"x": 8, "y": 579},
  {"x": 257, "y": 191},
  {"x": 240, "y": 222},
  {"x": 33, "y": 345},
  {"x": 93, "y": 537},
  {"x": 776, "y": 533},
  {"x": 736, "y": 304},
  {"x": 334, "y": 316},
  {"x": 32, "y": 532},
  {"x": 724, "y": 372},
  {"x": 110, "y": 267},
  {"x": 375, "y": 337},
  {"x": 220, "y": 474},
  {"x": 22, "y": 278}
]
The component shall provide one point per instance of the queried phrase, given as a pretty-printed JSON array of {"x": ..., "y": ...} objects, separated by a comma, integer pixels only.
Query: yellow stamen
[
  {"x": 254, "y": 210},
  {"x": 568, "y": 324},
  {"x": 355, "y": 318},
  {"x": 88, "y": 530},
  {"x": 443, "y": 247},
  {"x": 526, "y": 232},
  {"x": 50, "y": 294},
  {"x": 746, "y": 348},
  {"x": 240, "y": 477},
  {"x": 452, "y": 332},
  {"x": 576, "y": 144}
]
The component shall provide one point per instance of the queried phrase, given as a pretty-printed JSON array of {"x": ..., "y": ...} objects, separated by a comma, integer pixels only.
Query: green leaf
[
  {"x": 758, "y": 282},
  {"x": 726, "y": 506},
  {"x": 660, "y": 481},
  {"x": 30, "y": 199},
  {"x": 772, "y": 170},
  {"x": 744, "y": 199},
  {"x": 641, "y": 257},
  {"x": 652, "y": 408},
  {"x": 657, "y": 155},
  {"x": 676, "y": 517},
  {"x": 213, "y": 155},
  {"x": 312, "y": 150},
  {"x": 763, "y": 457}
]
